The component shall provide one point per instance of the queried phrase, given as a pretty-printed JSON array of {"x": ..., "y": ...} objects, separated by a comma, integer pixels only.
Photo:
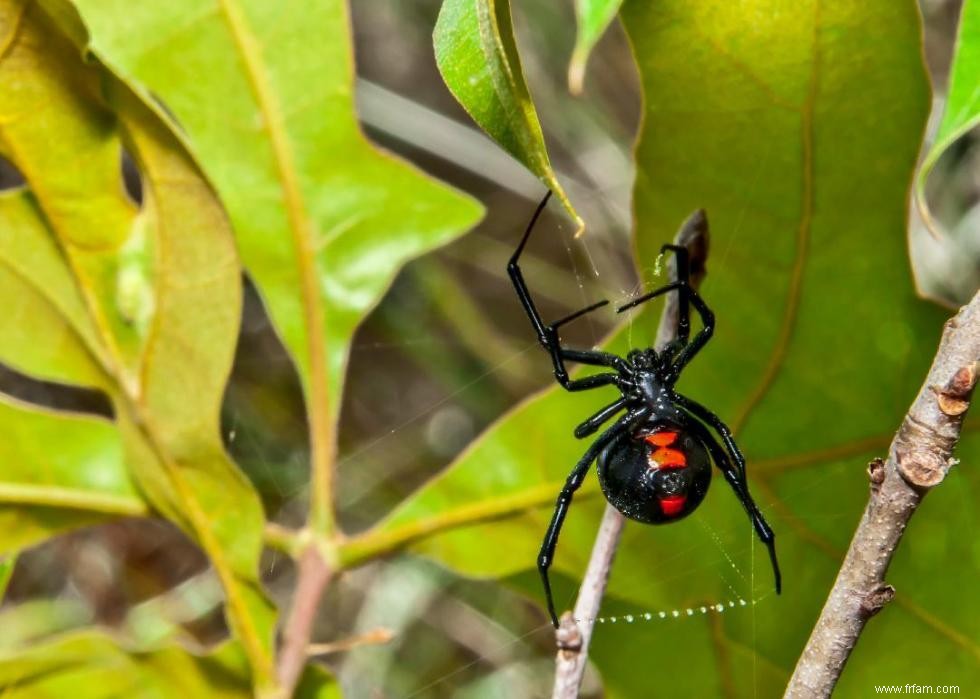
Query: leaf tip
[{"x": 551, "y": 181}]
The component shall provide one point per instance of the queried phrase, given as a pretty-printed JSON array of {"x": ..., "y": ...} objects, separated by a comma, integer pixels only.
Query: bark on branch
[
  {"x": 313, "y": 576},
  {"x": 575, "y": 632},
  {"x": 919, "y": 458}
]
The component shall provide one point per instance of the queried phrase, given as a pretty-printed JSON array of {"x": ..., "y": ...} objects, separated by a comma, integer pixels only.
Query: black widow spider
[{"x": 653, "y": 462}]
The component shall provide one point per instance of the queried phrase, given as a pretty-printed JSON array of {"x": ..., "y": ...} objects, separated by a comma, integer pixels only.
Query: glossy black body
[
  {"x": 645, "y": 381},
  {"x": 637, "y": 490}
]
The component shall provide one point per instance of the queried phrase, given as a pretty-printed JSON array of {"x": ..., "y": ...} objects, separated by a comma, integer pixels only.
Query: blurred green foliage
[
  {"x": 961, "y": 111},
  {"x": 593, "y": 17},
  {"x": 73, "y": 259}
]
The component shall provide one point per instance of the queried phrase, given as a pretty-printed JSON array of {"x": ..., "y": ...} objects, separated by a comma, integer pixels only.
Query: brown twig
[
  {"x": 918, "y": 460},
  {"x": 575, "y": 632},
  {"x": 375, "y": 637},
  {"x": 313, "y": 575}
]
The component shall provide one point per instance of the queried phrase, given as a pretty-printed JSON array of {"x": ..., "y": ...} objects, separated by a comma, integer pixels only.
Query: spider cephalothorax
[{"x": 654, "y": 462}]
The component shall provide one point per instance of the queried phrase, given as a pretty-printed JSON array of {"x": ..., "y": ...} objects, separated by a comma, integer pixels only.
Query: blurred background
[{"x": 446, "y": 353}]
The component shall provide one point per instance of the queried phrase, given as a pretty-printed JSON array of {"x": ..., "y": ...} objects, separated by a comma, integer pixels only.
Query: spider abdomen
[{"x": 656, "y": 475}]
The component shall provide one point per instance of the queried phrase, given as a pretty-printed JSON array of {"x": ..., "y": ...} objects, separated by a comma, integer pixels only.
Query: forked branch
[{"x": 919, "y": 458}]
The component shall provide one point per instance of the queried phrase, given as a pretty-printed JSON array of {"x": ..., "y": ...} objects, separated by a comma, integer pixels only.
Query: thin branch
[
  {"x": 575, "y": 632},
  {"x": 312, "y": 577},
  {"x": 375, "y": 637},
  {"x": 285, "y": 540},
  {"x": 919, "y": 458}
]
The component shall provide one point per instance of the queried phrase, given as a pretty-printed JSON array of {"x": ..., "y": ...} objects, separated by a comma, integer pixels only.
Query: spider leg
[
  {"x": 724, "y": 464},
  {"x": 595, "y": 422},
  {"x": 597, "y": 358},
  {"x": 701, "y": 339},
  {"x": 707, "y": 320},
  {"x": 594, "y": 381},
  {"x": 572, "y": 484},
  {"x": 594, "y": 358},
  {"x": 548, "y": 334},
  {"x": 708, "y": 417},
  {"x": 578, "y": 314},
  {"x": 682, "y": 275},
  {"x": 591, "y": 357},
  {"x": 639, "y": 300}
]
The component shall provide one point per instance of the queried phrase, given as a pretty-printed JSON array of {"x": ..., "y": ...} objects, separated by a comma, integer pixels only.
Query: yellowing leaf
[
  {"x": 323, "y": 220},
  {"x": 90, "y": 665},
  {"x": 143, "y": 303},
  {"x": 46, "y": 312},
  {"x": 45, "y": 489}
]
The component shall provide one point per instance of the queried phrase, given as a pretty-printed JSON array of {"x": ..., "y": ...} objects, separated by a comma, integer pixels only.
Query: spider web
[{"x": 587, "y": 263}]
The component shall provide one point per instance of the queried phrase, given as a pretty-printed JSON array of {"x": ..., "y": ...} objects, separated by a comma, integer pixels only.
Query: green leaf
[
  {"x": 49, "y": 316},
  {"x": 44, "y": 488},
  {"x": 91, "y": 665},
  {"x": 477, "y": 56},
  {"x": 593, "y": 17},
  {"x": 768, "y": 115},
  {"x": 142, "y": 303},
  {"x": 323, "y": 219},
  {"x": 317, "y": 683},
  {"x": 961, "y": 111},
  {"x": 7, "y": 564}
]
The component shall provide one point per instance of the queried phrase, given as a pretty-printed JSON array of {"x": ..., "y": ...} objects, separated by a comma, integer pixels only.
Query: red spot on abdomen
[
  {"x": 672, "y": 505},
  {"x": 661, "y": 439},
  {"x": 661, "y": 455},
  {"x": 667, "y": 458}
]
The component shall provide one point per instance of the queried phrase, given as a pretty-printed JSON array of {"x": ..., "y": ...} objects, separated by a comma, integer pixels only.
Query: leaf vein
[{"x": 318, "y": 405}]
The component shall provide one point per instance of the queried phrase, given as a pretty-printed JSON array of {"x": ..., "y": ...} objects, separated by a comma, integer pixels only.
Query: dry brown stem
[{"x": 919, "y": 459}]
